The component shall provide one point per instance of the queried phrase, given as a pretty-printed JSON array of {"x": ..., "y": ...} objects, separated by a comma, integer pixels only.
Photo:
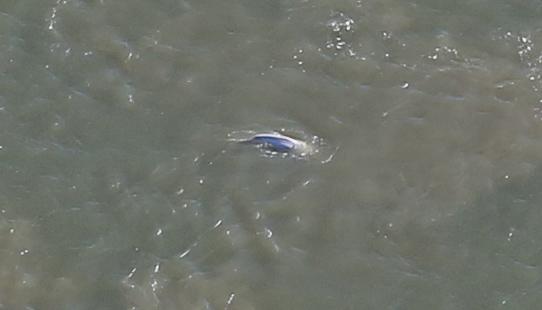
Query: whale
[{"x": 279, "y": 143}]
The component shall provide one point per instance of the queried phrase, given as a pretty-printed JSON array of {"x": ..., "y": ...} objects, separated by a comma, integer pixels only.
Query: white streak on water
[
  {"x": 217, "y": 223},
  {"x": 330, "y": 158},
  {"x": 229, "y": 301},
  {"x": 183, "y": 254},
  {"x": 132, "y": 272}
]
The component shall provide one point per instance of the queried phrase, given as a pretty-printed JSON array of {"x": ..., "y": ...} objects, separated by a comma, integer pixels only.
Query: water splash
[{"x": 340, "y": 25}]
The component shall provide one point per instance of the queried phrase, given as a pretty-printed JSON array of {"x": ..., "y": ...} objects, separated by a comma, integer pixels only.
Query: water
[{"x": 119, "y": 188}]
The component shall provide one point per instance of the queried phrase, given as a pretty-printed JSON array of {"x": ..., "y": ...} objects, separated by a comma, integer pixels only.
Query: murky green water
[{"x": 119, "y": 188}]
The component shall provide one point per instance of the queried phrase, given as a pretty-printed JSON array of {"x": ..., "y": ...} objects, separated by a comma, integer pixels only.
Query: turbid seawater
[{"x": 120, "y": 187}]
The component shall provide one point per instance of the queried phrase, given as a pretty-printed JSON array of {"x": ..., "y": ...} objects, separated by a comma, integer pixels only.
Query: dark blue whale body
[{"x": 273, "y": 143}]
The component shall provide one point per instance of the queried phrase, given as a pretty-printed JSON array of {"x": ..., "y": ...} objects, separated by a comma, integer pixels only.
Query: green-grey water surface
[{"x": 119, "y": 188}]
